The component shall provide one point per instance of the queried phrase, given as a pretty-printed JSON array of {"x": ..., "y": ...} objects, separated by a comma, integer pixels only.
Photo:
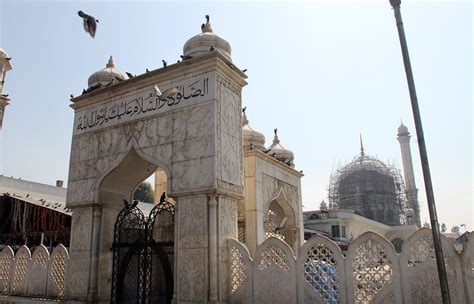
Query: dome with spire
[
  {"x": 402, "y": 130},
  {"x": 203, "y": 42},
  {"x": 278, "y": 151},
  {"x": 252, "y": 139},
  {"x": 106, "y": 75},
  {"x": 370, "y": 188}
]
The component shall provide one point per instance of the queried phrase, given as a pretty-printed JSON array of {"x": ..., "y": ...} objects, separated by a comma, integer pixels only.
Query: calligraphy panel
[{"x": 145, "y": 103}]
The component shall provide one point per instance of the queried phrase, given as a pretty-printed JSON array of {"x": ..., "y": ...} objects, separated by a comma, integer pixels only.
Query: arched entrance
[
  {"x": 122, "y": 133},
  {"x": 280, "y": 221},
  {"x": 143, "y": 255}
]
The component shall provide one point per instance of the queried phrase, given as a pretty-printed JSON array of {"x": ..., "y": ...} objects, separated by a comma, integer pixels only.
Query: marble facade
[{"x": 124, "y": 133}]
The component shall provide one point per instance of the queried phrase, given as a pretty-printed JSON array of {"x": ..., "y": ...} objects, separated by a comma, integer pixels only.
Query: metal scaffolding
[{"x": 371, "y": 188}]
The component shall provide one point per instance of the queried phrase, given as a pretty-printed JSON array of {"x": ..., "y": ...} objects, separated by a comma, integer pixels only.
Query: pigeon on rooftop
[
  {"x": 164, "y": 63},
  {"x": 186, "y": 57},
  {"x": 130, "y": 75},
  {"x": 90, "y": 23}
]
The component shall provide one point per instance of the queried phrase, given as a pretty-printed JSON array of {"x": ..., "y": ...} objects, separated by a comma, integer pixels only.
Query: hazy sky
[{"x": 322, "y": 72}]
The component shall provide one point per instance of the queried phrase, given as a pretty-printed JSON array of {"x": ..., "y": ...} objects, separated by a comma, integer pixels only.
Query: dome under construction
[{"x": 371, "y": 188}]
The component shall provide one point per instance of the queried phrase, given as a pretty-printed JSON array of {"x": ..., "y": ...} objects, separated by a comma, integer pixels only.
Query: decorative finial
[
  {"x": 110, "y": 64},
  {"x": 361, "y": 146},
  {"x": 206, "y": 28},
  {"x": 275, "y": 138}
]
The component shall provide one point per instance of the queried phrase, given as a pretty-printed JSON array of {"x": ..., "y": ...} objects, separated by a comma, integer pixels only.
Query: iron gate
[{"x": 143, "y": 255}]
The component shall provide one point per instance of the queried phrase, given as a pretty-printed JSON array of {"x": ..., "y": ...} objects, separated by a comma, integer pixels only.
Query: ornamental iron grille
[{"x": 143, "y": 255}]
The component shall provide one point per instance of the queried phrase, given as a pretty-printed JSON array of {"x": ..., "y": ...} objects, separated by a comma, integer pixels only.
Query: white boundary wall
[{"x": 370, "y": 272}]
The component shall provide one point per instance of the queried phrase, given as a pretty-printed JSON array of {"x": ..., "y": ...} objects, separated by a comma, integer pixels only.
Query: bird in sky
[
  {"x": 90, "y": 23},
  {"x": 166, "y": 93}
]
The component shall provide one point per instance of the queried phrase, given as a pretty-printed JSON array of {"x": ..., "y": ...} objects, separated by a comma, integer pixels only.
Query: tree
[{"x": 144, "y": 193}]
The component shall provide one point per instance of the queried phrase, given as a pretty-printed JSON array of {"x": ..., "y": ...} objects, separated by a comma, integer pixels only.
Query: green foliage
[{"x": 144, "y": 193}]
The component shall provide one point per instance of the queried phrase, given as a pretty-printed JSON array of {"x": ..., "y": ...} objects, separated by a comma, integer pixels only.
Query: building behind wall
[{"x": 32, "y": 213}]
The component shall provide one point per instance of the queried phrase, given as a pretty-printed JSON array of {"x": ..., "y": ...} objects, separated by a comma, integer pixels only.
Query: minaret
[
  {"x": 403, "y": 137},
  {"x": 4, "y": 68}
]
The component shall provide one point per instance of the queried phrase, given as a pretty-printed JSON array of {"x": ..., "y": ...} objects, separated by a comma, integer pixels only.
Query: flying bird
[
  {"x": 90, "y": 23},
  {"x": 164, "y": 63},
  {"x": 166, "y": 93}
]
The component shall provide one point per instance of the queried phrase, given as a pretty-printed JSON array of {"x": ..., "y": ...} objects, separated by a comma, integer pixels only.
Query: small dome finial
[
  {"x": 206, "y": 27},
  {"x": 361, "y": 145},
  {"x": 275, "y": 137},
  {"x": 110, "y": 64}
]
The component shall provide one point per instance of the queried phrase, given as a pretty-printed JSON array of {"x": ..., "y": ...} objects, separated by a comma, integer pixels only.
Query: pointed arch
[
  {"x": 38, "y": 273},
  {"x": 6, "y": 267},
  {"x": 274, "y": 277},
  {"x": 19, "y": 282},
  {"x": 372, "y": 266},
  {"x": 118, "y": 182},
  {"x": 320, "y": 271},
  {"x": 280, "y": 220},
  {"x": 57, "y": 271}
]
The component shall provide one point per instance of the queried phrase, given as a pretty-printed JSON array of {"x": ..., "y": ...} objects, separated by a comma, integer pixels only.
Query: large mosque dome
[{"x": 370, "y": 188}]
